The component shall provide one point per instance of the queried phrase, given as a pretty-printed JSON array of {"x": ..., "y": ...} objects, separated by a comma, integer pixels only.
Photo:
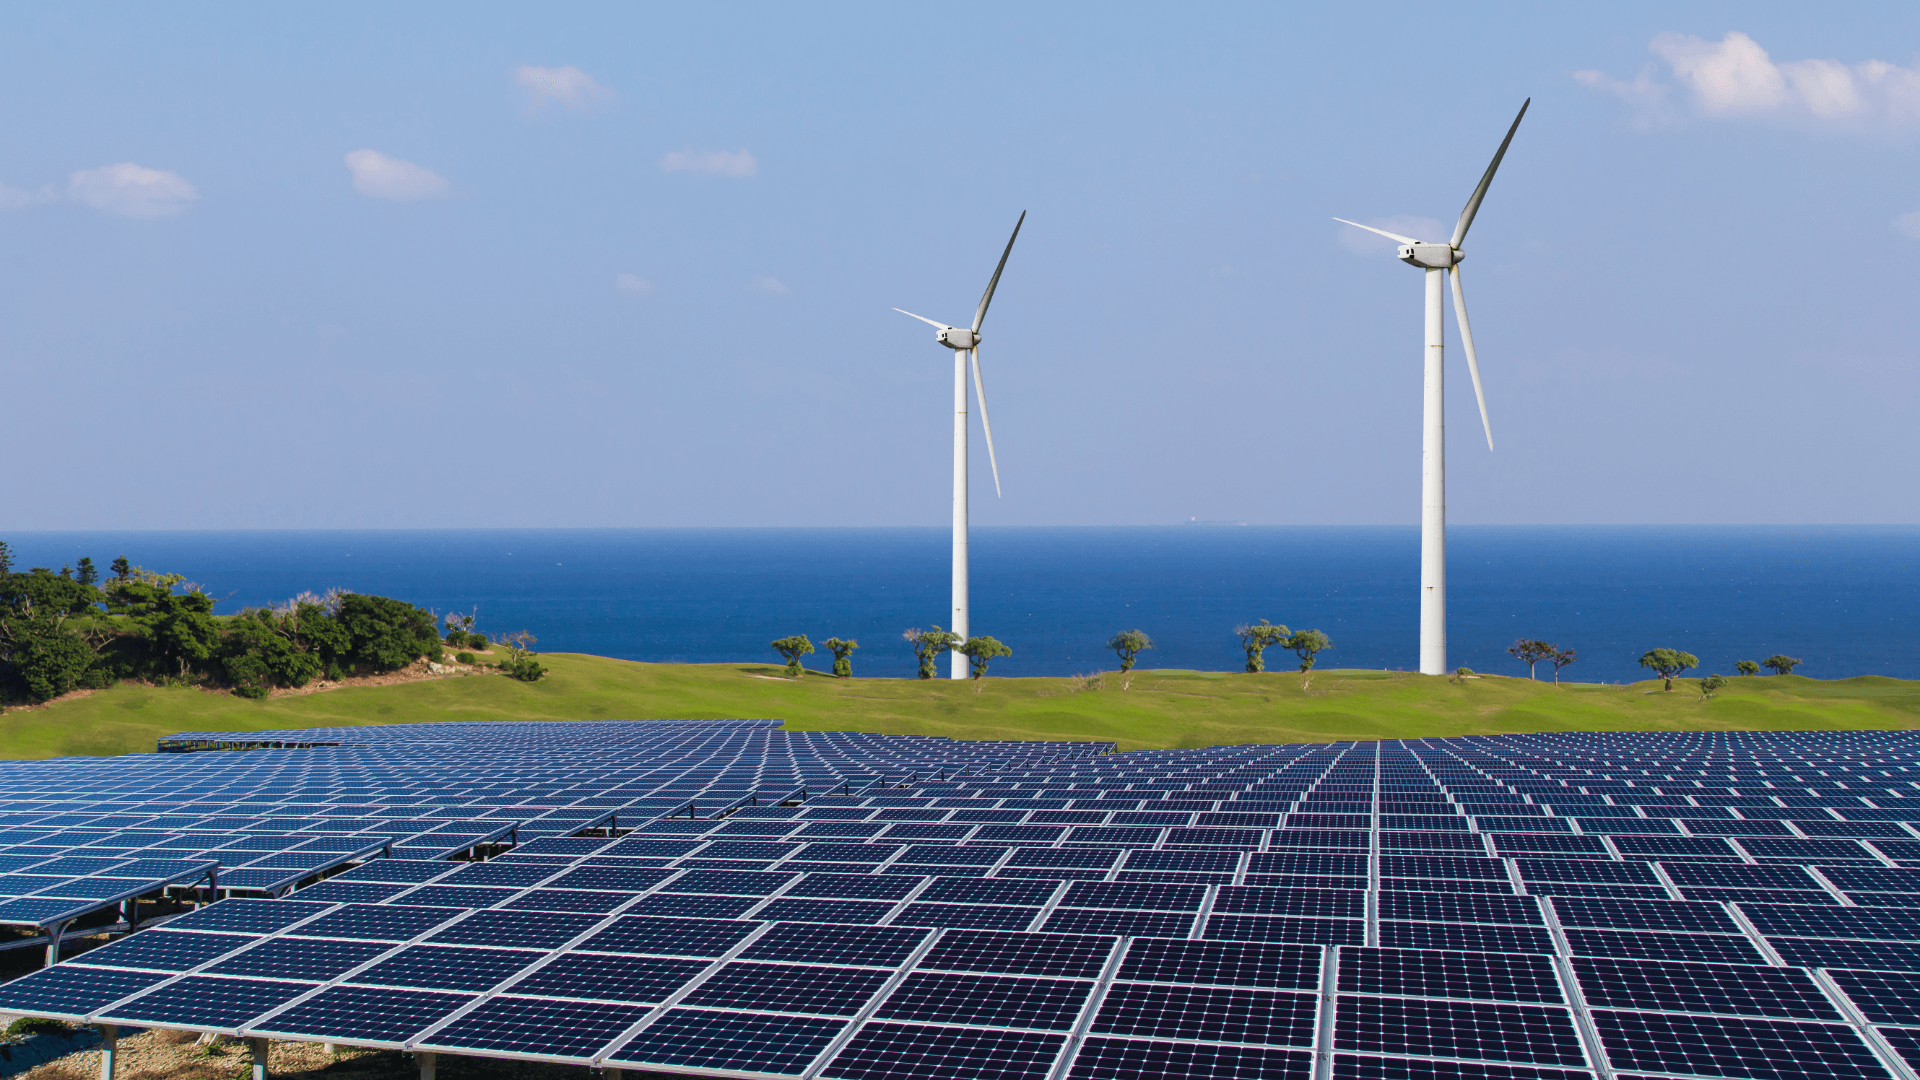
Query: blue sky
[{"x": 624, "y": 265}]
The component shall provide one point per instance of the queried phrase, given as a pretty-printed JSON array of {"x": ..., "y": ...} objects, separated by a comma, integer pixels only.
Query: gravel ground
[{"x": 170, "y": 1055}]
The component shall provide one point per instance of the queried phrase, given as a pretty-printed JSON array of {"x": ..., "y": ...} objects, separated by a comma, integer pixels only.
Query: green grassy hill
[{"x": 1146, "y": 710}]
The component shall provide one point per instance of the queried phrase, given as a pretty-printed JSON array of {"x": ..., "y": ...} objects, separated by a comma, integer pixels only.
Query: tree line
[
  {"x": 981, "y": 649},
  {"x": 77, "y": 630}
]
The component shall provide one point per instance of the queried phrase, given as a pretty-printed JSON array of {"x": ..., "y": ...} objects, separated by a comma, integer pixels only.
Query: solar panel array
[{"x": 1546, "y": 907}]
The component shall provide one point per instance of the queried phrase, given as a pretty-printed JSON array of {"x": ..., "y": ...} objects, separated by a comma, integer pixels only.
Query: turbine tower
[
  {"x": 1437, "y": 260},
  {"x": 965, "y": 343}
]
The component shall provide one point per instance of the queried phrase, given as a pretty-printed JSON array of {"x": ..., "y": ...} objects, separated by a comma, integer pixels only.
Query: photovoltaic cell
[
  {"x": 1712, "y": 948},
  {"x": 1733, "y": 1047},
  {"x": 365, "y": 1014},
  {"x": 783, "y": 1045},
  {"x": 1224, "y": 963},
  {"x": 1422, "y": 973},
  {"x": 202, "y": 1001},
  {"x": 1786, "y": 993},
  {"x": 1467, "y": 937},
  {"x": 299, "y": 958},
  {"x": 445, "y": 968},
  {"x": 1349, "y": 1067},
  {"x": 610, "y": 978},
  {"x": 513, "y": 929},
  {"x": 969, "y": 916},
  {"x": 569, "y": 1029},
  {"x": 162, "y": 950},
  {"x": 1064, "y": 955},
  {"x": 247, "y": 916},
  {"x": 1457, "y": 1029},
  {"x": 1140, "y": 1059},
  {"x": 882, "y": 1051},
  {"x": 1000, "y": 1001},
  {"x": 1210, "y": 1013},
  {"x": 70, "y": 990},
  {"x": 819, "y": 943},
  {"x": 1125, "y": 923}
]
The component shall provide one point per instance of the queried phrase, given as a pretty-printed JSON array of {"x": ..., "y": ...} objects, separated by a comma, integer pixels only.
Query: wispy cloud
[
  {"x": 382, "y": 177},
  {"x": 632, "y": 285},
  {"x": 769, "y": 286},
  {"x": 711, "y": 163},
  {"x": 567, "y": 86},
  {"x": 131, "y": 190},
  {"x": 1735, "y": 78},
  {"x": 1420, "y": 228}
]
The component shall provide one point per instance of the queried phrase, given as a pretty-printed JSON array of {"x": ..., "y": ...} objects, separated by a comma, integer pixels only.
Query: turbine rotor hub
[
  {"x": 1430, "y": 256},
  {"x": 958, "y": 337}
]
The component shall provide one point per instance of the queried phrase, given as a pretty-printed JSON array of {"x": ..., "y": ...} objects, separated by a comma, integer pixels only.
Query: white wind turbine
[
  {"x": 1437, "y": 260},
  {"x": 965, "y": 343}
]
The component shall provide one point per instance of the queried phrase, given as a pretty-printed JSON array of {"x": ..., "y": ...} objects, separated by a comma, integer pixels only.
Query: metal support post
[
  {"x": 109, "y": 1049},
  {"x": 54, "y": 933},
  {"x": 259, "y": 1047},
  {"x": 427, "y": 1063}
]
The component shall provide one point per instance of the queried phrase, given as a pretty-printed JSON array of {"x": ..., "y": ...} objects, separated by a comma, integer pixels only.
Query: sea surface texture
[{"x": 1846, "y": 600}]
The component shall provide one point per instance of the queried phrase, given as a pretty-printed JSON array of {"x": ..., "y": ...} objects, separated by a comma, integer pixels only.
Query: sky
[{"x": 612, "y": 265}]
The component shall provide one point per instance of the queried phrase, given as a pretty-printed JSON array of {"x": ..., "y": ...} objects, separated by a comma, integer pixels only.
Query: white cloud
[
  {"x": 567, "y": 86},
  {"x": 711, "y": 163},
  {"x": 383, "y": 177},
  {"x": 1736, "y": 78},
  {"x": 632, "y": 285},
  {"x": 769, "y": 286},
  {"x": 1909, "y": 224},
  {"x": 131, "y": 190},
  {"x": 1420, "y": 228}
]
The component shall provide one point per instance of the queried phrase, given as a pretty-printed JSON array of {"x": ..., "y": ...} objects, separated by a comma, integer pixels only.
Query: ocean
[{"x": 1845, "y": 599}]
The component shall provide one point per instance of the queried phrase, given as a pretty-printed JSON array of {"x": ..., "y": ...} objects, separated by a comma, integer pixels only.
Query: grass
[{"x": 1148, "y": 709}]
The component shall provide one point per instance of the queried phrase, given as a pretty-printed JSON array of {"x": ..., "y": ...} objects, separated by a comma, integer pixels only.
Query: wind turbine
[
  {"x": 1438, "y": 260},
  {"x": 965, "y": 343}
]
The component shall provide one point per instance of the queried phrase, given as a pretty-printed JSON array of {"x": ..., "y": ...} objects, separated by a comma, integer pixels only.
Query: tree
[
  {"x": 520, "y": 663},
  {"x": 979, "y": 649},
  {"x": 385, "y": 634},
  {"x": 1747, "y": 667},
  {"x": 122, "y": 569},
  {"x": 6, "y": 558},
  {"x": 1561, "y": 658},
  {"x": 1782, "y": 665},
  {"x": 842, "y": 656},
  {"x": 1306, "y": 643},
  {"x": 793, "y": 648},
  {"x": 1255, "y": 637},
  {"x": 929, "y": 644},
  {"x": 89, "y": 574},
  {"x": 1711, "y": 685},
  {"x": 1530, "y": 653},
  {"x": 1128, "y": 645},
  {"x": 1668, "y": 663}
]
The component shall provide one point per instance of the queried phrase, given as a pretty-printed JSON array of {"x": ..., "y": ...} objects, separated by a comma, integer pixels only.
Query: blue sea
[{"x": 1844, "y": 599}]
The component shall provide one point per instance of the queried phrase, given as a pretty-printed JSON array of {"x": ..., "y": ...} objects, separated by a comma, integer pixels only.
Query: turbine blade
[
  {"x": 1473, "y": 362},
  {"x": 1382, "y": 232},
  {"x": 1473, "y": 204},
  {"x": 986, "y": 298},
  {"x": 923, "y": 319},
  {"x": 980, "y": 391}
]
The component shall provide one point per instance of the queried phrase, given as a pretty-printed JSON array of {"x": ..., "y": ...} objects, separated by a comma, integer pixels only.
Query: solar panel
[
  {"x": 1067, "y": 955},
  {"x": 1209, "y": 1013},
  {"x": 1425, "y": 973},
  {"x": 1456, "y": 1029},
  {"x": 1786, "y": 993},
  {"x": 892, "y": 1051},
  {"x": 879, "y": 946},
  {"x": 446, "y": 968},
  {"x": 536, "y": 1027},
  {"x": 1142, "y": 1059},
  {"x": 1731, "y": 1046},
  {"x": 364, "y": 1014},
  {"x": 201, "y": 1001},
  {"x": 781, "y": 1045}
]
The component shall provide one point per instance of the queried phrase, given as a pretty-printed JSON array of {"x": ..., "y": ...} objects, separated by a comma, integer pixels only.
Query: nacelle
[
  {"x": 958, "y": 337},
  {"x": 1430, "y": 256}
]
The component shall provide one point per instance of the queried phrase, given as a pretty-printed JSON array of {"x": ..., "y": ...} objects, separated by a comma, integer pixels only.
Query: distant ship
[{"x": 1197, "y": 521}]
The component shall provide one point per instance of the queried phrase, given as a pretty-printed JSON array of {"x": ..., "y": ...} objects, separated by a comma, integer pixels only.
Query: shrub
[
  {"x": 51, "y": 662},
  {"x": 385, "y": 634},
  {"x": 38, "y": 1025},
  {"x": 466, "y": 658},
  {"x": 525, "y": 668}
]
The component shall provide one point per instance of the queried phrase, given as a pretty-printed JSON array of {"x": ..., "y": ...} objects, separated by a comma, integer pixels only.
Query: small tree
[
  {"x": 6, "y": 559},
  {"x": 122, "y": 569},
  {"x": 1128, "y": 645},
  {"x": 842, "y": 656},
  {"x": 1747, "y": 667},
  {"x": 89, "y": 574},
  {"x": 1255, "y": 637},
  {"x": 979, "y": 649},
  {"x": 1780, "y": 664},
  {"x": 1306, "y": 643},
  {"x": 793, "y": 648},
  {"x": 1561, "y": 658},
  {"x": 928, "y": 645},
  {"x": 1530, "y": 652},
  {"x": 520, "y": 663},
  {"x": 1668, "y": 663},
  {"x": 1711, "y": 685}
]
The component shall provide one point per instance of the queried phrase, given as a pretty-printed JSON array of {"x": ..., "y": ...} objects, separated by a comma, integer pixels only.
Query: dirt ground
[
  {"x": 418, "y": 671},
  {"x": 177, "y": 1055}
]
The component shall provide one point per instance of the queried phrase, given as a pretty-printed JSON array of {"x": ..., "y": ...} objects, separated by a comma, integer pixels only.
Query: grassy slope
[{"x": 1159, "y": 709}]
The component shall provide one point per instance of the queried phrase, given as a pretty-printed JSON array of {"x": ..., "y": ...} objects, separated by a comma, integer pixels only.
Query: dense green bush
[
  {"x": 62, "y": 632},
  {"x": 466, "y": 658}
]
